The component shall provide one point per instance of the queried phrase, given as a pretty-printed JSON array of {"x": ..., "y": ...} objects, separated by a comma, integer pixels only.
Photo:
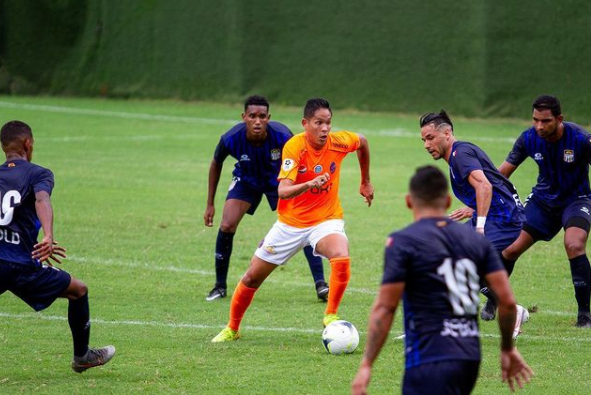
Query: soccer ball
[{"x": 340, "y": 337}]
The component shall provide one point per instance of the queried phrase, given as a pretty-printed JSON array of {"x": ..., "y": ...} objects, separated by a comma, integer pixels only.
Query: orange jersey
[{"x": 301, "y": 163}]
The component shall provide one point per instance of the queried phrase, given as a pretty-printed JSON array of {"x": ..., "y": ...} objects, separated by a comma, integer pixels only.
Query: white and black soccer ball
[{"x": 340, "y": 337}]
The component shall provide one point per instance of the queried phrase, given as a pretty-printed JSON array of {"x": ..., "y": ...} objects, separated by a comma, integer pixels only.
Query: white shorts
[{"x": 284, "y": 241}]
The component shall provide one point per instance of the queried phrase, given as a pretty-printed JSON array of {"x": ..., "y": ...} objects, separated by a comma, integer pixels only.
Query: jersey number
[
  {"x": 463, "y": 285},
  {"x": 9, "y": 201}
]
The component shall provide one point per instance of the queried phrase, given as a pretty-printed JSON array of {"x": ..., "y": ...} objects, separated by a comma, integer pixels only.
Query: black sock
[
  {"x": 79, "y": 320},
  {"x": 509, "y": 265},
  {"x": 223, "y": 251},
  {"x": 581, "y": 274},
  {"x": 489, "y": 294},
  {"x": 315, "y": 263}
]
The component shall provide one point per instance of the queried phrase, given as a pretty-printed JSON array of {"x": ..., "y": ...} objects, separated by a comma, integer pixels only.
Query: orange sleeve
[{"x": 290, "y": 158}]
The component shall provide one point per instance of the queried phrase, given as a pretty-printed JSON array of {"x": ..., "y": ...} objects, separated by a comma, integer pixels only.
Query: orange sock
[
  {"x": 340, "y": 272},
  {"x": 241, "y": 299}
]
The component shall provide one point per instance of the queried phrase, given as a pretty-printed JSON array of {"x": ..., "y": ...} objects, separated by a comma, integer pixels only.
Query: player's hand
[
  {"x": 319, "y": 181},
  {"x": 366, "y": 190},
  {"x": 515, "y": 369},
  {"x": 48, "y": 251},
  {"x": 461, "y": 213},
  {"x": 208, "y": 216},
  {"x": 361, "y": 381}
]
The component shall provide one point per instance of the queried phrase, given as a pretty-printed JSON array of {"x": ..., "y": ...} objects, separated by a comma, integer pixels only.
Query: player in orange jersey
[{"x": 309, "y": 210}]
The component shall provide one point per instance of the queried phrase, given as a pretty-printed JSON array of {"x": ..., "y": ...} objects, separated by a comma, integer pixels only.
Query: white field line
[{"x": 396, "y": 132}]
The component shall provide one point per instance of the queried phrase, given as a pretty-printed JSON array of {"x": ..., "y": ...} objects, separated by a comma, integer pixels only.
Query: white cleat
[{"x": 522, "y": 317}]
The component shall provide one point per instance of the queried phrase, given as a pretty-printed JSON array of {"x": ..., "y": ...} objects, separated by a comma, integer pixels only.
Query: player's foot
[
  {"x": 521, "y": 318},
  {"x": 216, "y": 293},
  {"x": 322, "y": 290},
  {"x": 94, "y": 357},
  {"x": 583, "y": 320},
  {"x": 489, "y": 310},
  {"x": 328, "y": 318},
  {"x": 226, "y": 335}
]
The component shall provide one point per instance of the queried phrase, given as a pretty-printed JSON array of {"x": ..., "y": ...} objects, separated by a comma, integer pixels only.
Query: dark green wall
[{"x": 471, "y": 57}]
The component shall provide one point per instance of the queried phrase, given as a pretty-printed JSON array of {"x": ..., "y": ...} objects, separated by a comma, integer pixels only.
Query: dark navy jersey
[
  {"x": 442, "y": 264},
  {"x": 505, "y": 205},
  {"x": 19, "y": 224},
  {"x": 563, "y": 166},
  {"x": 257, "y": 166}
]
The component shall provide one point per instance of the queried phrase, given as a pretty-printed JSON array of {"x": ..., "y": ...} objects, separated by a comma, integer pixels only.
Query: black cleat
[
  {"x": 94, "y": 357},
  {"x": 322, "y": 290},
  {"x": 489, "y": 310},
  {"x": 216, "y": 293},
  {"x": 583, "y": 320}
]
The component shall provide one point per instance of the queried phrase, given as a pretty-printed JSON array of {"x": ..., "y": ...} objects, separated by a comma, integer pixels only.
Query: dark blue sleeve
[
  {"x": 396, "y": 260},
  {"x": 42, "y": 180},
  {"x": 221, "y": 151},
  {"x": 466, "y": 161},
  {"x": 518, "y": 154}
]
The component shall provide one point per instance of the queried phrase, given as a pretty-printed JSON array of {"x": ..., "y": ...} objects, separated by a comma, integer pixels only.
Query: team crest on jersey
[
  {"x": 302, "y": 169},
  {"x": 275, "y": 154},
  {"x": 569, "y": 155},
  {"x": 318, "y": 169},
  {"x": 270, "y": 249},
  {"x": 538, "y": 156},
  {"x": 11, "y": 164},
  {"x": 288, "y": 164},
  {"x": 333, "y": 167}
]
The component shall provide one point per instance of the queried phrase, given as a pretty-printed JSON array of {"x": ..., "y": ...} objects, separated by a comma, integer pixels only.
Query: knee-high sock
[
  {"x": 241, "y": 299},
  {"x": 581, "y": 274},
  {"x": 315, "y": 263},
  {"x": 340, "y": 272},
  {"x": 79, "y": 320},
  {"x": 223, "y": 251}
]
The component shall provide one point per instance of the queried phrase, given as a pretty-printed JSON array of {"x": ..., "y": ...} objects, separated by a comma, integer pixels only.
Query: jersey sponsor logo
[
  {"x": 569, "y": 155},
  {"x": 288, "y": 164},
  {"x": 333, "y": 167},
  {"x": 9, "y": 236},
  {"x": 318, "y": 169},
  {"x": 585, "y": 210},
  {"x": 538, "y": 156},
  {"x": 302, "y": 169},
  {"x": 459, "y": 327},
  {"x": 339, "y": 145},
  {"x": 320, "y": 190},
  {"x": 275, "y": 154}
]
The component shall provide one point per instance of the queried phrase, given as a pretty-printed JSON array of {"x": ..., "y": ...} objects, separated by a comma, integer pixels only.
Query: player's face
[
  {"x": 436, "y": 142},
  {"x": 545, "y": 123},
  {"x": 318, "y": 127},
  {"x": 256, "y": 119}
]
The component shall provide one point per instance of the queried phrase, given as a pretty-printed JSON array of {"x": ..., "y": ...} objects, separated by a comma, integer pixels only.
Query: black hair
[
  {"x": 14, "y": 130},
  {"x": 547, "y": 102},
  {"x": 255, "y": 100},
  {"x": 437, "y": 119},
  {"x": 428, "y": 184},
  {"x": 314, "y": 105}
]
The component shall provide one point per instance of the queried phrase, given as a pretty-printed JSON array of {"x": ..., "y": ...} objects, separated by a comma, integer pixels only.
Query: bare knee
[
  {"x": 76, "y": 289},
  {"x": 228, "y": 227},
  {"x": 511, "y": 253},
  {"x": 574, "y": 248}
]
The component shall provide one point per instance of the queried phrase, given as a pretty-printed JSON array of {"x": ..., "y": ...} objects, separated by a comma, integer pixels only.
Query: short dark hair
[
  {"x": 436, "y": 118},
  {"x": 428, "y": 184},
  {"x": 314, "y": 105},
  {"x": 547, "y": 102},
  {"x": 14, "y": 130},
  {"x": 255, "y": 100}
]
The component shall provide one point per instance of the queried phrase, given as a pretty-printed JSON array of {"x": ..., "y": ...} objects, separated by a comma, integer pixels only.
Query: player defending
[
  {"x": 256, "y": 144},
  {"x": 309, "y": 211},
  {"x": 561, "y": 198},
  {"x": 25, "y": 190},
  {"x": 435, "y": 266},
  {"x": 493, "y": 204}
]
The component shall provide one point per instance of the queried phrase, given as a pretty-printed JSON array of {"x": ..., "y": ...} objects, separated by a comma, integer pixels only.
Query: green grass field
[{"x": 131, "y": 179}]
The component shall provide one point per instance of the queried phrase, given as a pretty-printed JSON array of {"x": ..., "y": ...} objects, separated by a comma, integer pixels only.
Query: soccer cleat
[
  {"x": 322, "y": 290},
  {"x": 216, "y": 293},
  {"x": 328, "y": 318},
  {"x": 583, "y": 320},
  {"x": 94, "y": 357},
  {"x": 489, "y": 310},
  {"x": 521, "y": 318},
  {"x": 226, "y": 335}
]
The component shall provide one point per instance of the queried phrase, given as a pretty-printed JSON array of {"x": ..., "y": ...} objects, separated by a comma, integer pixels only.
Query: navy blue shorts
[
  {"x": 243, "y": 191},
  {"x": 548, "y": 222},
  {"x": 38, "y": 287},
  {"x": 500, "y": 234},
  {"x": 441, "y": 378}
]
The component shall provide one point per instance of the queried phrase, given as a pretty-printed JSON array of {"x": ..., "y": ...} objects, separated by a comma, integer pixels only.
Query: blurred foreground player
[
  {"x": 25, "y": 190},
  {"x": 256, "y": 144},
  {"x": 309, "y": 211},
  {"x": 436, "y": 265}
]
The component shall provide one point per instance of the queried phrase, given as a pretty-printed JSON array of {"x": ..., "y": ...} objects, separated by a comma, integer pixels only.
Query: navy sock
[
  {"x": 315, "y": 263},
  {"x": 509, "y": 265},
  {"x": 581, "y": 274},
  {"x": 223, "y": 251},
  {"x": 79, "y": 320}
]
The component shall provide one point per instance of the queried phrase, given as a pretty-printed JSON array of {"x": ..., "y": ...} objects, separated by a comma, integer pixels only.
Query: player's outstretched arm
[
  {"x": 47, "y": 249},
  {"x": 366, "y": 188},
  {"x": 483, "y": 191},
  {"x": 215, "y": 171},
  {"x": 507, "y": 169}
]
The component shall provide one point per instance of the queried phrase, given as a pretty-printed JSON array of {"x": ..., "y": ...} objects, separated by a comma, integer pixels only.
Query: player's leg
[{"x": 79, "y": 321}]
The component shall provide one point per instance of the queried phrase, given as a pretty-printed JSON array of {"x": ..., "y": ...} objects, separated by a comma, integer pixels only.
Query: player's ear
[
  {"x": 304, "y": 122},
  {"x": 28, "y": 147},
  {"x": 408, "y": 201},
  {"x": 244, "y": 116},
  {"x": 560, "y": 118},
  {"x": 447, "y": 202}
]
